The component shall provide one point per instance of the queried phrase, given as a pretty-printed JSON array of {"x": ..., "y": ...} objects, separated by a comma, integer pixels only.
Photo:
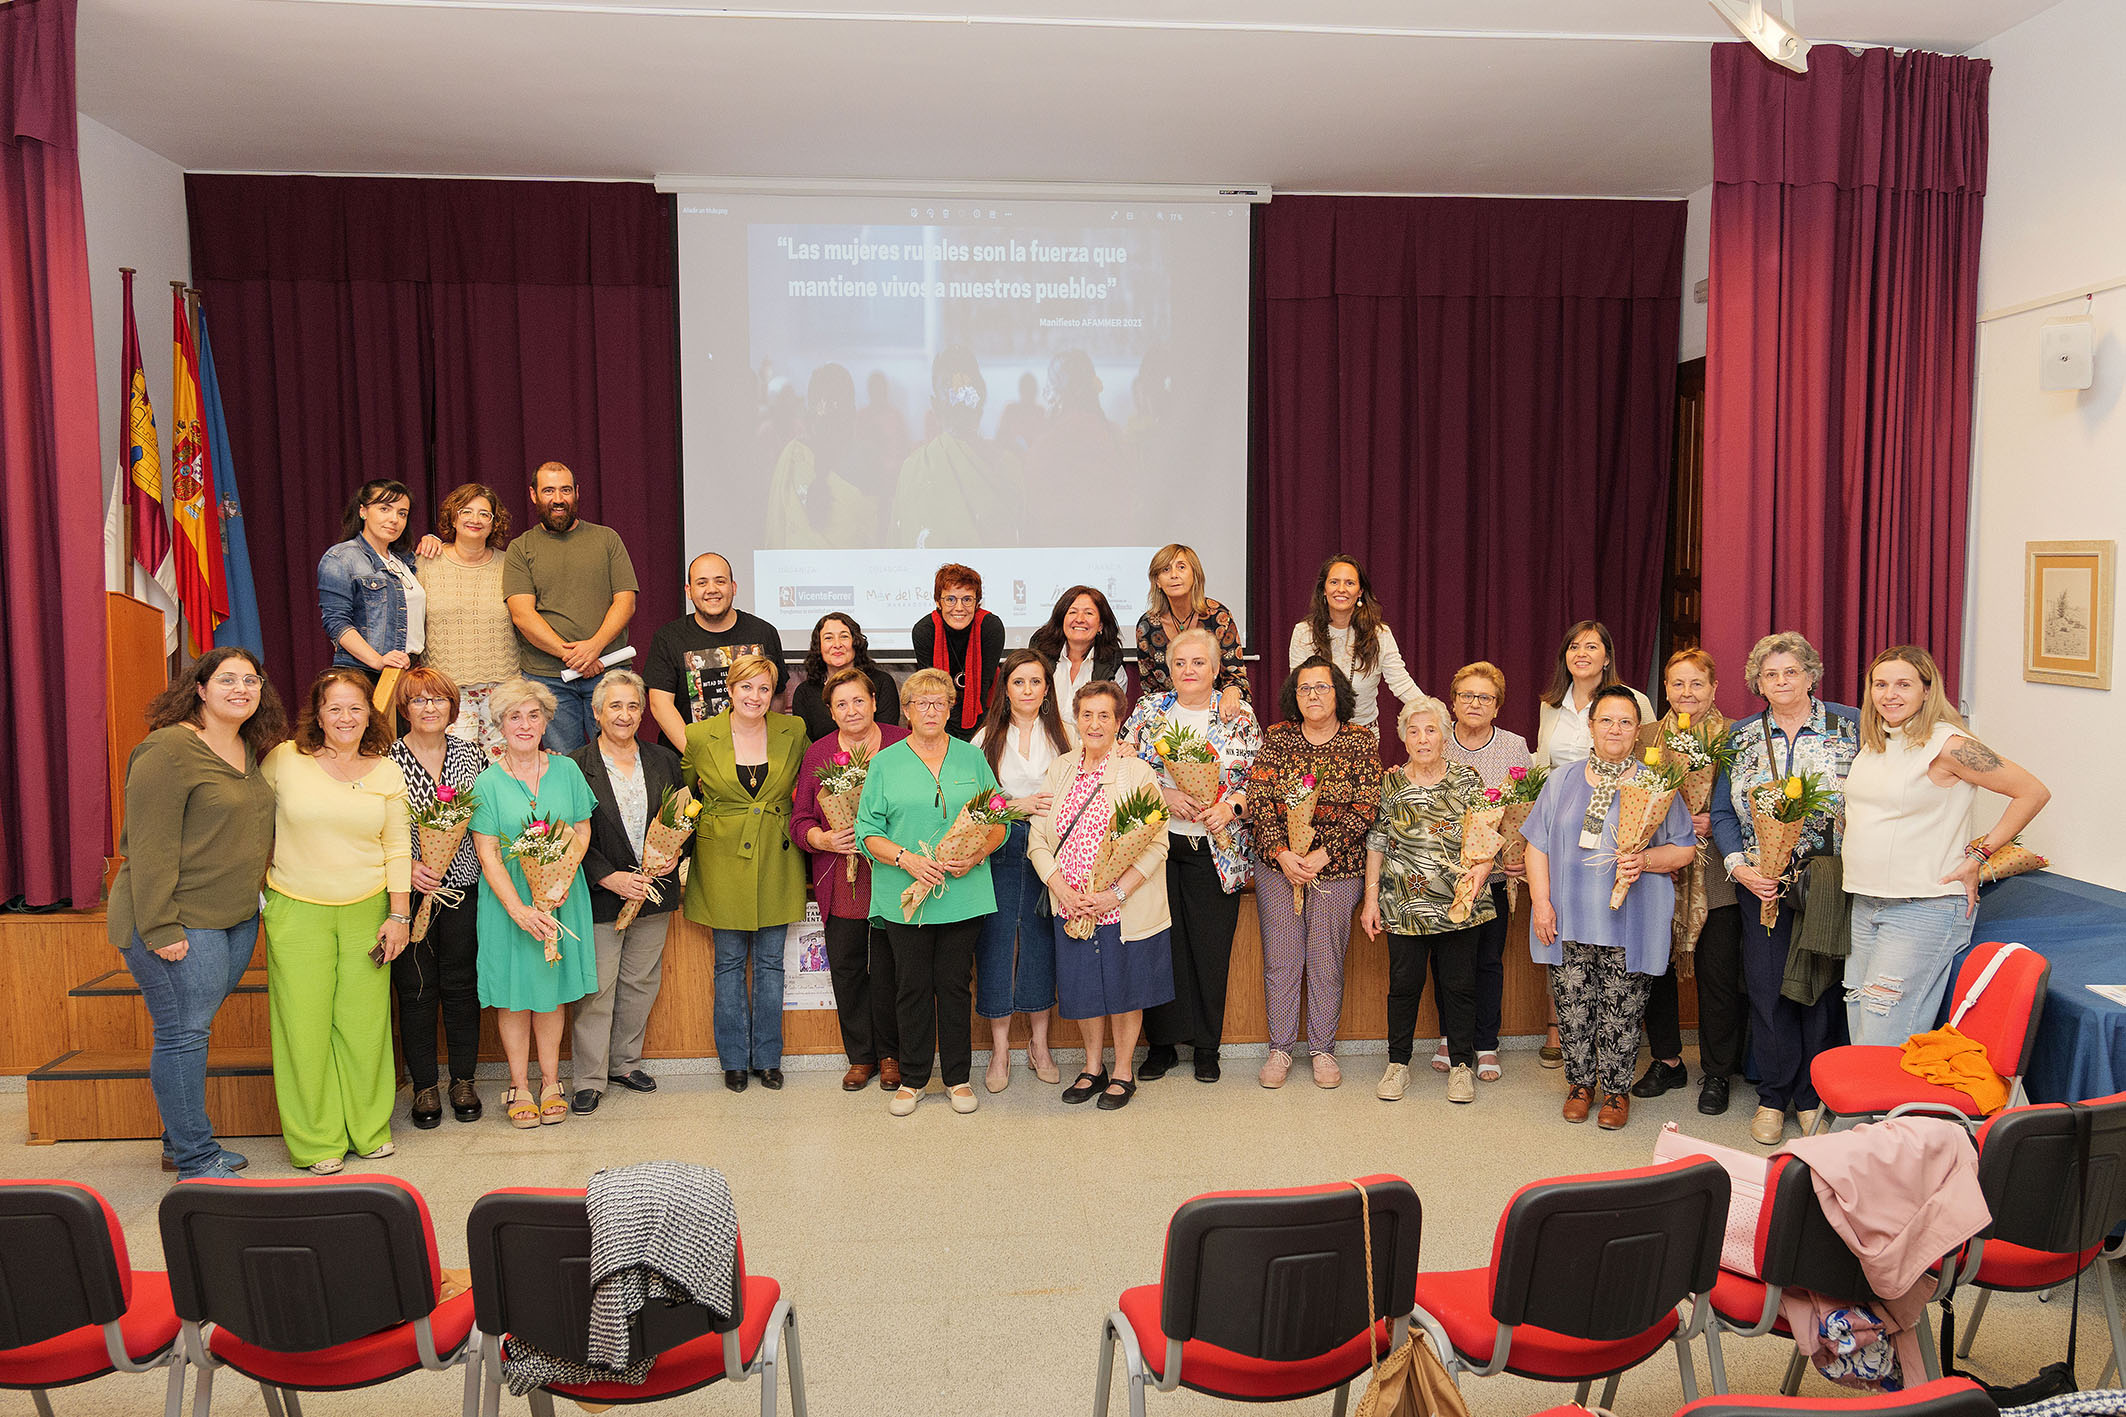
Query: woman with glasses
[
  {"x": 962, "y": 641},
  {"x": 912, "y": 793},
  {"x": 1344, "y": 626},
  {"x": 1476, "y": 741}
]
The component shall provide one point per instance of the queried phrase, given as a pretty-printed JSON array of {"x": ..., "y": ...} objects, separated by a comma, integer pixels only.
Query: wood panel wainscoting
[{"x": 72, "y": 1020}]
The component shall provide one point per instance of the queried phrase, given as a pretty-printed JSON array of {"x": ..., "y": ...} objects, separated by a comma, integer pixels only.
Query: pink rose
[
  {"x": 1517, "y": 774},
  {"x": 536, "y": 829},
  {"x": 446, "y": 793},
  {"x": 1306, "y": 781},
  {"x": 1492, "y": 794},
  {"x": 997, "y": 803},
  {"x": 841, "y": 760}
]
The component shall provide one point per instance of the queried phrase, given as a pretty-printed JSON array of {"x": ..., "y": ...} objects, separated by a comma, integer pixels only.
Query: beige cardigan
[{"x": 1144, "y": 914}]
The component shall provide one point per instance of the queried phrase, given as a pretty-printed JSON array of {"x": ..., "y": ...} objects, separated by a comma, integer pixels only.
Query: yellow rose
[
  {"x": 1793, "y": 788},
  {"x": 1653, "y": 757},
  {"x": 1683, "y": 721},
  {"x": 693, "y": 810},
  {"x": 1163, "y": 750},
  {"x": 1154, "y": 818}
]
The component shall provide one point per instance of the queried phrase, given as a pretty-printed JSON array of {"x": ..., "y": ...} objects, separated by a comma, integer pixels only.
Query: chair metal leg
[
  {"x": 272, "y": 1399},
  {"x": 475, "y": 1366},
  {"x": 173, "y": 1402},
  {"x": 203, "y": 1390},
  {"x": 769, "y": 1368},
  {"x": 1609, "y": 1391},
  {"x": 2101, "y": 1273},
  {"x": 1580, "y": 1393},
  {"x": 1791, "y": 1383},
  {"x": 39, "y": 1401},
  {"x": 1978, "y": 1311},
  {"x": 1929, "y": 1350},
  {"x": 542, "y": 1402},
  {"x": 1343, "y": 1396},
  {"x": 491, "y": 1383},
  {"x": 1715, "y": 1359},
  {"x": 1688, "y": 1370},
  {"x": 797, "y": 1370},
  {"x": 293, "y": 1401},
  {"x": 1104, "y": 1372}
]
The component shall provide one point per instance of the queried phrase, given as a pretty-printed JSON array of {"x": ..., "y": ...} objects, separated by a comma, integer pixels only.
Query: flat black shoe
[
  {"x": 465, "y": 1100},
  {"x": 770, "y": 1078},
  {"x": 1712, "y": 1095},
  {"x": 1206, "y": 1067},
  {"x": 1159, "y": 1060},
  {"x": 427, "y": 1109},
  {"x": 735, "y": 1079},
  {"x": 1116, "y": 1101},
  {"x": 1086, "y": 1085},
  {"x": 1660, "y": 1077},
  {"x": 634, "y": 1080},
  {"x": 586, "y": 1100}
]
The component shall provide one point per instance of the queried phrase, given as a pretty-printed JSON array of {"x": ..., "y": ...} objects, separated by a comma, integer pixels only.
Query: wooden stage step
[
  {"x": 119, "y": 983},
  {"x": 104, "y": 1095}
]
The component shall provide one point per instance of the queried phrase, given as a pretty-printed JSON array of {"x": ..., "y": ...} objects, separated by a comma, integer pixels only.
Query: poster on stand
[{"x": 806, "y": 984}]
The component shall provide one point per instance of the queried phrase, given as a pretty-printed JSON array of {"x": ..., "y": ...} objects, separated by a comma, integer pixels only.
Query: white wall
[
  {"x": 1697, "y": 265},
  {"x": 2051, "y": 466},
  {"x": 133, "y": 201}
]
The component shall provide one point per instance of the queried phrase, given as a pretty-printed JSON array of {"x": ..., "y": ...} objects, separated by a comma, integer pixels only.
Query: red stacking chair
[
  {"x": 71, "y": 1307},
  {"x": 1867, "y": 1081},
  {"x": 1943, "y": 1397},
  {"x": 530, "y": 1252},
  {"x": 1587, "y": 1279},
  {"x": 1796, "y": 1248},
  {"x": 2028, "y": 1165},
  {"x": 1262, "y": 1296},
  {"x": 310, "y": 1285}
]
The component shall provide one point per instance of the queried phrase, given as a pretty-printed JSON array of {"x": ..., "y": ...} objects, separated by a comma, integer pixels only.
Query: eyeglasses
[
  {"x": 231, "y": 681},
  {"x": 930, "y": 704},
  {"x": 428, "y": 701},
  {"x": 1477, "y": 699},
  {"x": 958, "y": 602},
  {"x": 1314, "y": 691}
]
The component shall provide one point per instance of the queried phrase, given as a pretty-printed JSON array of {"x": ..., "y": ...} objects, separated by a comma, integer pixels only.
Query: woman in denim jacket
[{"x": 373, "y": 608}]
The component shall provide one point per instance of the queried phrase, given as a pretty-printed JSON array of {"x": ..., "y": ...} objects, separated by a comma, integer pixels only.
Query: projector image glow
[{"x": 1774, "y": 38}]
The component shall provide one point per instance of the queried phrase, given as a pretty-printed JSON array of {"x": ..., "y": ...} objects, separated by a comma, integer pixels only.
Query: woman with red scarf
[{"x": 964, "y": 640}]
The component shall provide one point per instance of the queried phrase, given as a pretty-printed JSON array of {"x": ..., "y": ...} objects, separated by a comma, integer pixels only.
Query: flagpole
[{"x": 124, "y": 397}]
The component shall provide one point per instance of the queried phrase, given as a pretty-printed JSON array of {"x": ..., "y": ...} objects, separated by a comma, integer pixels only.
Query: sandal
[
  {"x": 553, "y": 1105},
  {"x": 1487, "y": 1067},
  {"x": 523, "y": 1112},
  {"x": 1086, "y": 1085},
  {"x": 1440, "y": 1060},
  {"x": 1113, "y": 1101}
]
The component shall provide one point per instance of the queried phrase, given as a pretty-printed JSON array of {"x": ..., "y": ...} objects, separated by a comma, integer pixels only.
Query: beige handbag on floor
[{"x": 1411, "y": 1381}]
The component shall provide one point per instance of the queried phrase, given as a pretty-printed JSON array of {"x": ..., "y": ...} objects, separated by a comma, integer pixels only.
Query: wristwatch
[{"x": 1121, "y": 895}]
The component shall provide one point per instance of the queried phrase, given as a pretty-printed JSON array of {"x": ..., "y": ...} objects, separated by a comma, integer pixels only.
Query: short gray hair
[
  {"x": 1195, "y": 634},
  {"x": 1423, "y": 704},
  {"x": 1785, "y": 642},
  {"x": 511, "y": 693},
  {"x": 615, "y": 679}
]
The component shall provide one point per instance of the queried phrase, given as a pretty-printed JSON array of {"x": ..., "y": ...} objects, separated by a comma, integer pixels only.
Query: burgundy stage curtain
[
  {"x": 54, "y": 779},
  {"x": 1475, "y": 396},
  {"x": 439, "y": 332},
  {"x": 1839, "y": 359}
]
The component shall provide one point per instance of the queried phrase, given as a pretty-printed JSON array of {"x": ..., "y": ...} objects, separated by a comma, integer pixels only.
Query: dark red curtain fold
[
  {"x": 439, "y": 332},
  {"x": 54, "y": 781},
  {"x": 1842, "y": 333},
  {"x": 1476, "y": 397}
]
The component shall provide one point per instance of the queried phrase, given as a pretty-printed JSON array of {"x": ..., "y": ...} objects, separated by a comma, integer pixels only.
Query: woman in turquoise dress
[{"x": 528, "y": 992}]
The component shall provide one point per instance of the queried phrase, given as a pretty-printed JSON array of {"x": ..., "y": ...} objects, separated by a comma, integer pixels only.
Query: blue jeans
[
  {"x": 1015, "y": 955},
  {"x": 1903, "y": 954},
  {"x": 573, "y": 725},
  {"x": 182, "y": 999},
  {"x": 749, "y": 1022}
]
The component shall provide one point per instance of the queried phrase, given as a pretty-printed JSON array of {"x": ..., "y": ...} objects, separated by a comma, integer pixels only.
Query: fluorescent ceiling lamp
[{"x": 1775, "y": 38}]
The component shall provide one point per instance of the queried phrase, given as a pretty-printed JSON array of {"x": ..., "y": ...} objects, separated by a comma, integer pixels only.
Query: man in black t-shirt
[{"x": 688, "y": 657}]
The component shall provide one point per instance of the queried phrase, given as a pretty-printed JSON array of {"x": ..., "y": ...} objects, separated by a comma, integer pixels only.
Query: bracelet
[
  {"x": 1976, "y": 851},
  {"x": 402, "y": 919}
]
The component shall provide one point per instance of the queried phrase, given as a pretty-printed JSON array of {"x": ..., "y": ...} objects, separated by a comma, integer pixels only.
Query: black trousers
[
  {"x": 1785, "y": 1037},
  {"x": 934, "y": 984},
  {"x": 1204, "y": 918},
  {"x": 1723, "y": 1009},
  {"x": 1453, "y": 959},
  {"x": 441, "y": 975},
  {"x": 1490, "y": 971},
  {"x": 860, "y": 963}
]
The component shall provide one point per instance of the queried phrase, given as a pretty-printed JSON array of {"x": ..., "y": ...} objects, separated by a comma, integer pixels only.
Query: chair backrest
[
  {"x": 530, "y": 1252},
  {"x": 298, "y": 1265},
  {"x": 2005, "y": 1018},
  {"x": 1943, "y": 1397},
  {"x": 1280, "y": 1275},
  {"x": 2027, "y": 1169},
  {"x": 1606, "y": 1256},
  {"x": 1796, "y": 1246},
  {"x": 62, "y": 1261}
]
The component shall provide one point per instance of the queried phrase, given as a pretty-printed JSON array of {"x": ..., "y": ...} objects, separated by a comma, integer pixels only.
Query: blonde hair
[
  {"x": 1194, "y": 635},
  {"x": 511, "y": 693},
  {"x": 1423, "y": 704},
  {"x": 1164, "y": 557},
  {"x": 1482, "y": 669},
  {"x": 746, "y": 666},
  {"x": 1934, "y": 710},
  {"x": 926, "y": 681}
]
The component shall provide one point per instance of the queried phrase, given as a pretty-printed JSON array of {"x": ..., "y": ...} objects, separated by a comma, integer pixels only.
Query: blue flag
[{"x": 241, "y": 628}]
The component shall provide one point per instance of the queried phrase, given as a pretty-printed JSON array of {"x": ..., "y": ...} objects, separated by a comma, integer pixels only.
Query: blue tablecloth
[{"x": 2081, "y": 929}]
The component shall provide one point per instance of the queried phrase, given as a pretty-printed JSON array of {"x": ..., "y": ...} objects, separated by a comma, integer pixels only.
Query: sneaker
[
  {"x": 1461, "y": 1083},
  {"x": 1768, "y": 1127},
  {"x": 962, "y": 1098},
  {"x": 380, "y": 1153},
  {"x": 1326, "y": 1073},
  {"x": 228, "y": 1160},
  {"x": 903, "y": 1101},
  {"x": 1393, "y": 1083},
  {"x": 330, "y": 1166},
  {"x": 1275, "y": 1068},
  {"x": 216, "y": 1171}
]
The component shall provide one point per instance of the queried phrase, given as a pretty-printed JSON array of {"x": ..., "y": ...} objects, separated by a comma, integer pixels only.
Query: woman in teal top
[
  {"x": 914, "y": 790},
  {"x": 529, "y": 993}
]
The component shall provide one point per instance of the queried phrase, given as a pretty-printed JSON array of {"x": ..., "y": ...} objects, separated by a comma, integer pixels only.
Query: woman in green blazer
[{"x": 748, "y": 882}]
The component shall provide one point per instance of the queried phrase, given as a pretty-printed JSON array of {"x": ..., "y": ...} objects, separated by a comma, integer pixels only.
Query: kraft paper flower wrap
[
  {"x": 1481, "y": 843},
  {"x": 1299, "y": 829},
  {"x": 1517, "y": 799},
  {"x": 967, "y": 834},
  {"x": 662, "y": 846},
  {"x": 1138, "y": 820},
  {"x": 440, "y": 825},
  {"x": 841, "y": 785},
  {"x": 1705, "y": 746},
  {"x": 1643, "y": 800},
  {"x": 1780, "y": 811},
  {"x": 1193, "y": 764},
  {"x": 542, "y": 850}
]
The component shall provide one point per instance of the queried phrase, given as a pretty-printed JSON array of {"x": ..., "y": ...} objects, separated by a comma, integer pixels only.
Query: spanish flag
[{"x": 202, "y": 586}]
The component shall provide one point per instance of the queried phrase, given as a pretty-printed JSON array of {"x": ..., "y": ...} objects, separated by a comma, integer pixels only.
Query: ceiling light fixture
[{"x": 1774, "y": 37}]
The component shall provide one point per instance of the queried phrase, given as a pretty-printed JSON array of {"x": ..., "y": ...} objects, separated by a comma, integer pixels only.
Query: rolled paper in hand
[
  {"x": 1299, "y": 835},
  {"x": 1641, "y": 807},
  {"x": 1116, "y": 855},
  {"x": 1481, "y": 843},
  {"x": 1202, "y": 781}
]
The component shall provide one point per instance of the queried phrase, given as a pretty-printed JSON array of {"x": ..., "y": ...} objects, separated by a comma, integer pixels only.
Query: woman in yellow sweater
[{"x": 335, "y": 916}]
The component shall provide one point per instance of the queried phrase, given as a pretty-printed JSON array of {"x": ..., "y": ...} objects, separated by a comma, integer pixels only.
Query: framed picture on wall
[{"x": 2067, "y": 593}]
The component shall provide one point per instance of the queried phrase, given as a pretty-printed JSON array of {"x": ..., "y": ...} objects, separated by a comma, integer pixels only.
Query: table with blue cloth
[{"x": 2081, "y": 929}]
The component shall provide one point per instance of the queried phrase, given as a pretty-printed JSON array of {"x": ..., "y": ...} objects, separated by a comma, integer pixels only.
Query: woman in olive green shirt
[
  {"x": 198, "y": 836},
  {"x": 748, "y": 882}
]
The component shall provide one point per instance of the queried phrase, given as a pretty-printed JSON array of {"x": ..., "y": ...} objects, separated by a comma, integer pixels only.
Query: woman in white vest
[{"x": 1911, "y": 865}]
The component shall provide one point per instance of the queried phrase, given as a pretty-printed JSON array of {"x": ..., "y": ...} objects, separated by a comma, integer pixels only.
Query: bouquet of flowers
[
  {"x": 1780, "y": 810},
  {"x": 1193, "y": 764},
  {"x": 841, "y": 785},
  {"x": 542, "y": 850},
  {"x": 1481, "y": 843},
  {"x": 662, "y": 844},
  {"x": 1523, "y": 785},
  {"x": 1704, "y": 748},
  {"x": 969, "y": 829},
  {"x": 440, "y": 826},
  {"x": 1138, "y": 819},
  {"x": 1643, "y": 799},
  {"x": 1299, "y": 828}
]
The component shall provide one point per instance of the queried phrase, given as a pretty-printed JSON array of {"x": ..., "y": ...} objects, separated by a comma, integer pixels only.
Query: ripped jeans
[{"x": 1903, "y": 954}]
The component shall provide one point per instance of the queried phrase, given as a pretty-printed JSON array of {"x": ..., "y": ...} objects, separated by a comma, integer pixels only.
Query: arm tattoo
[{"x": 1976, "y": 756}]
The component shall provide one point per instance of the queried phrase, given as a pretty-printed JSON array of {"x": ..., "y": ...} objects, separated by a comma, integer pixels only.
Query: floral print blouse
[
  {"x": 1419, "y": 837},
  {"x": 1236, "y": 741},
  {"x": 1346, "y": 773},
  {"x": 1826, "y": 746},
  {"x": 1153, "y": 677}
]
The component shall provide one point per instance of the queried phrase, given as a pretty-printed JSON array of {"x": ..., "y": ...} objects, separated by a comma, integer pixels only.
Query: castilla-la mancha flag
[{"x": 202, "y": 587}]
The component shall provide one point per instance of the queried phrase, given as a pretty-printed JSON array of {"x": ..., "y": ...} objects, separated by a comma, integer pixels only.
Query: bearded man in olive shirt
[{"x": 570, "y": 588}]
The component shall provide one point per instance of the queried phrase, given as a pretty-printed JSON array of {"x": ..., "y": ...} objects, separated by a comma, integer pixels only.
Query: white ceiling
[{"x": 1567, "y": 97}]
